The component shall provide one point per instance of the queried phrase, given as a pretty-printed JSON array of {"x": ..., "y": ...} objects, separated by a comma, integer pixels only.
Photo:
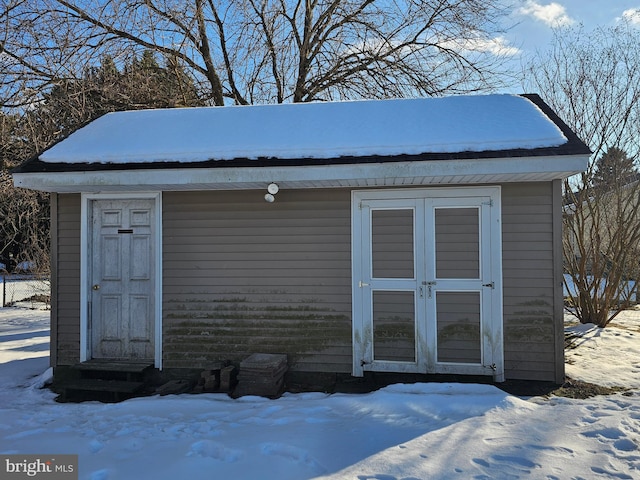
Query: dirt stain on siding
[
  {"x": 233, "y": 327},
  {"x": 530, "y": 322}
]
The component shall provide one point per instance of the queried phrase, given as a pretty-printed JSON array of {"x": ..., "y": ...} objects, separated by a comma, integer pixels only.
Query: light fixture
[{"x": 272, "y": 189}]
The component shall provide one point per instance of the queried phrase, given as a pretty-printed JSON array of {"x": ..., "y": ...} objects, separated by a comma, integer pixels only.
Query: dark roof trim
[{"x": 572, "y": 137}]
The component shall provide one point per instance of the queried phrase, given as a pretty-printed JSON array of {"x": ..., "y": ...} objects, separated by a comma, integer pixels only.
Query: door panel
[
  {"x": 140, "y": 262},
  {"x": 122, "y": 253},
  {"x": 110, "y": 247},
  {"x": 392, "y": 338},
  {"x": 108, "y": 330},
  {"x": 457, "y": 242},
  {"x": 458, "y": 327},
  {"x": 394, "y": 326},
  {"x": 458, "y": 286},
  {"x": 392, "y": 234},
  {"x": 139, "y": 306}
]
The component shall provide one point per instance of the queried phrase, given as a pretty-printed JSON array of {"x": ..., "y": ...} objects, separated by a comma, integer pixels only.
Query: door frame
[
  {"x": 85, "y": 268},
  {"x": 493, "y": 313}
]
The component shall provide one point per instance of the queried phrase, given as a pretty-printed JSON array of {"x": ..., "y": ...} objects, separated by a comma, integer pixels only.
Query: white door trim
[
  {"x": 85, "y": 262},
  {"x": 492, "y": 274}
]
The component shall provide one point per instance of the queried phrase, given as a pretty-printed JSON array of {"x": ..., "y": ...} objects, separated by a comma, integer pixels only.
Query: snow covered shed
[{"x": 409, "y": 236}]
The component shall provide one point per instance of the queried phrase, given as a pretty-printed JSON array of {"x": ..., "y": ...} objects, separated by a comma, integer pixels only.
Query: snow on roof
[{"x": 312, "y": 130}]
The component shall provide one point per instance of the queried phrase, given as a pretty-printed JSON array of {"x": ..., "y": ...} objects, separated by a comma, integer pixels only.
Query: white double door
[{"x": 427, "y": 281}]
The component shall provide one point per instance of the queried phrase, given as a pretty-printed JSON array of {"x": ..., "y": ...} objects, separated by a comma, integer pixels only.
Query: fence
[
  {"x": 630, "y": 290},
  {"x": 25, "y": 288}
]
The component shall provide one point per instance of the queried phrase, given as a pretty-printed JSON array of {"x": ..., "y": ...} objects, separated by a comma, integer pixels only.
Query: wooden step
[
  {"x": 100, "y": 385},
  {"x": 114, "y": 366},
  {"x": 95, "y": 389}
]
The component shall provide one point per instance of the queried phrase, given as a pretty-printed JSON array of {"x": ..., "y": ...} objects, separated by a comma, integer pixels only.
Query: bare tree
[
  {"x": 254, "y": 51},
  {"x": 63, "y": 62},
  {"x": 601, "y": 245},
  {"x": 593, "y": 81},
  {"x": 142, "y": 83},
  {"x": 24, "y": 227}
]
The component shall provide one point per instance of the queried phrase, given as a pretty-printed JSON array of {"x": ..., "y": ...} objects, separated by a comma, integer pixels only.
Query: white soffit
[{"x": 473, "y": 171}]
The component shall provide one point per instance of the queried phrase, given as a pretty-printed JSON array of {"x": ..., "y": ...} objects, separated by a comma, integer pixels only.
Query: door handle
[
  {"x": 429, "y": 288},
  {"x": 96, "y": 287}
]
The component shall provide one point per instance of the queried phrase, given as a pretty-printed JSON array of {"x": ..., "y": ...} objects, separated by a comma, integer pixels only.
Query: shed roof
[{"x": 286, "y": 136}]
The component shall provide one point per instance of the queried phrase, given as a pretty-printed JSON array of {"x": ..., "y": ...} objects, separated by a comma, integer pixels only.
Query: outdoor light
[{"x": 272, "y": 189}]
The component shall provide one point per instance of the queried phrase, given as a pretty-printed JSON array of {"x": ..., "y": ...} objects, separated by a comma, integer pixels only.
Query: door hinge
[
  {"x": 491, "y": 284},
  {"x": 489, "y": 203},
  {"x": 362, "y": 284}
]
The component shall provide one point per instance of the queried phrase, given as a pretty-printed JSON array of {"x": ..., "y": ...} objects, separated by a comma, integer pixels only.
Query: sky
[{"x": 534, "y": 20}]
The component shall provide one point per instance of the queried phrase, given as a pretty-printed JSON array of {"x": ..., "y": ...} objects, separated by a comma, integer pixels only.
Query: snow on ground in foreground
[
  {"x": 609, "y": 356},
  {"x": 422, "y": 431}
]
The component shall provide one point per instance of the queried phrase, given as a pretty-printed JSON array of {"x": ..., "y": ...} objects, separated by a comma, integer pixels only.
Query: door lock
[
  {"x": 96, "y": 287},
  {"x": 429, "y": 288}
]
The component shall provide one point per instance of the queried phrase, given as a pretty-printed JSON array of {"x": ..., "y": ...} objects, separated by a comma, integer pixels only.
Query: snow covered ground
[{"x": 422, "y": 431}]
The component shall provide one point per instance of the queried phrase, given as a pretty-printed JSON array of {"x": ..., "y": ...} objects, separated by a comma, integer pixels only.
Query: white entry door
[
  {"x": 427, "y": 281},
  {"x": 122, "y": 273}
]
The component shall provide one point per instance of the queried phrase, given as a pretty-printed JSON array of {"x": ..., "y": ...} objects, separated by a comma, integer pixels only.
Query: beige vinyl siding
[
  {"x": 528, "y": 279},
  {"x": 53, "y": 280},
  {"x": 558, "y": 280},
  {"x": 66, "y": 314},
  {"x": 242, "y": 276}
]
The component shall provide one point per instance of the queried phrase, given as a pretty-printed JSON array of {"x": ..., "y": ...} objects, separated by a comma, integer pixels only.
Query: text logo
[{"x": 49, "y": 467}]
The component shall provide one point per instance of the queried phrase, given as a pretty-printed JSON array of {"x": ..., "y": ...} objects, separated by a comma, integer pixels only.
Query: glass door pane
[{"x": 394, "y": 331}]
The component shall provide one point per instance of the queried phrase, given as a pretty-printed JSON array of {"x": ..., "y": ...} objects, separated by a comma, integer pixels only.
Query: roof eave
[{"x": 460, "y": 171}]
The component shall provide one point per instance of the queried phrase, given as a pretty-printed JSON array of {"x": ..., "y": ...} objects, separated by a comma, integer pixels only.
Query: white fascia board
[{"x": 307, "y": 176}]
